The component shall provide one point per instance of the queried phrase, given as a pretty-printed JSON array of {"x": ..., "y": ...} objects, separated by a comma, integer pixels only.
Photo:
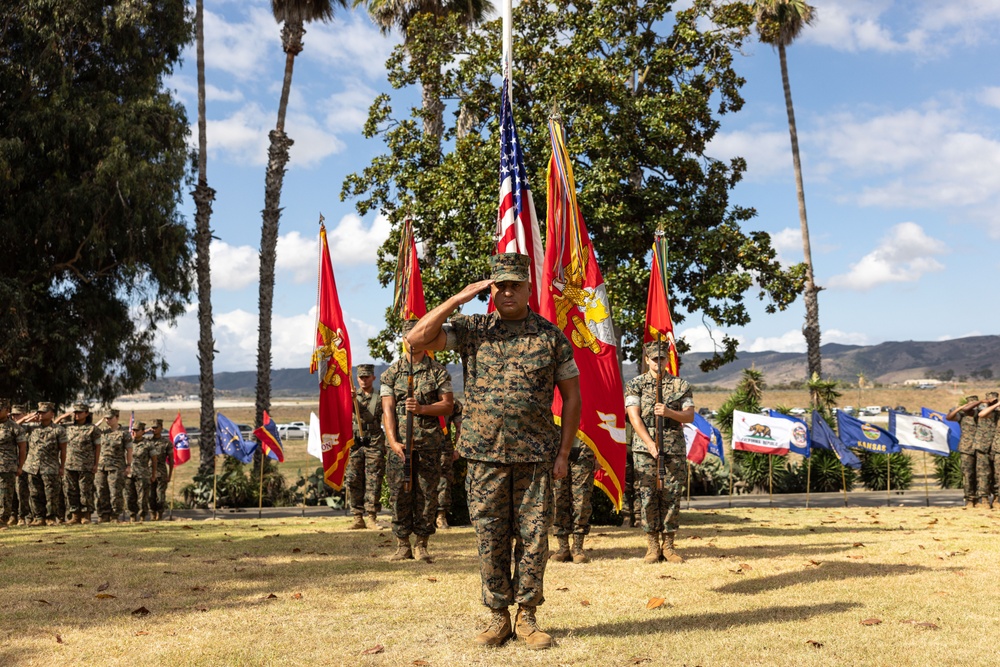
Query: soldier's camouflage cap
[
  {"x": 156, "y": 423},
  {"x": 139, "y": 426},
  {"x": 971, "y": 398},
  {"x": 366, "y": 370},
  {"x": 4, "y": 404},
  {"x": 46, "y": 406},
  {"x": 81, "y": 407},
  {"x": 408, "y": 326},
  {"x": 110, "y": 412},
  {"x": 18, "y": 409},
  {"x": 509, "y": 266},
  {"x": 992, "y": 395},
  {"x": 656, "y": 350}
]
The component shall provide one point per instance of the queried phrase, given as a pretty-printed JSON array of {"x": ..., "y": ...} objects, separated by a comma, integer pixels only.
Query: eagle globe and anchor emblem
[{"x": 331, "y": 360}]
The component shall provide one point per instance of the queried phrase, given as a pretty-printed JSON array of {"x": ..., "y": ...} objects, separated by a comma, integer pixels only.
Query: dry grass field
[{"x": 790, "y": 587}]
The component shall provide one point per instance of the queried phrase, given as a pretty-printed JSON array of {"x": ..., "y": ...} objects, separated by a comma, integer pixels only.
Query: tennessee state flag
[
  {"x": 179, "y": 437},
  {"x": 267, "y": 436},
  {"x": 573, "y": 297},
  {"x": 659, "y": 324},
  {"x": 332, "y": 360}
]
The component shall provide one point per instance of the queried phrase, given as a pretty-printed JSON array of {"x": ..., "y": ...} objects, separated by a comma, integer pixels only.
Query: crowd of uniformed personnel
[
  {"x": 979, "y": 449},
  {"x": 69, "y": 469}
]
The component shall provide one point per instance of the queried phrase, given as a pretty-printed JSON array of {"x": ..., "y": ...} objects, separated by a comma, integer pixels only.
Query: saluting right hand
[{"x": 470, "y": 291}]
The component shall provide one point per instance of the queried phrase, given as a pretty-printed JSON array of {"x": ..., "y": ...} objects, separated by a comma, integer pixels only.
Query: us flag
[{"x": 517, "y": 226}]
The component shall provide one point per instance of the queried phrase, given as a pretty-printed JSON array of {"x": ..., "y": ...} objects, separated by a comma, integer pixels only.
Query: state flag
[
  {"x": 764, "y": 434},
  {"x": 799, "y": 445},
  {"x": 270, "y": 442},
  {"x": 872, "y": 438},
  {"x": 179, "y": 438},
  {"x": 823, "y": 437},
  {"x": 954, "y": 430},
  {"x": 920, "y": 433}
]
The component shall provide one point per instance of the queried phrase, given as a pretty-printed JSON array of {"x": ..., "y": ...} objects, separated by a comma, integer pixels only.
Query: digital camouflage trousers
[
  {"x": 363, "y": 479},
  {"x": 660, "y": 507},
  {"x": 574, "y": 494},
  {"x": 414, "y": 513}
]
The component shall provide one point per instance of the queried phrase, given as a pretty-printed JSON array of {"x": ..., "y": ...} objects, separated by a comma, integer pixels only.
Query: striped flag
[
  {"x": 659, "y": 324},
  {"x": 409, "y": 299},
  {"x": 517, "y": 225}
]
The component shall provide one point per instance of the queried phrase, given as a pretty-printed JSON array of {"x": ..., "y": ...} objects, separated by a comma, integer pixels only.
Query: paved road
[{"x": 911, "y": 498}]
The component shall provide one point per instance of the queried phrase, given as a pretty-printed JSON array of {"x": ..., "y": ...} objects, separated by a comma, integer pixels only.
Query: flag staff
[
  {"x": 507, "y": 64},
  {"x": 215, "y": 482},
  {"x": 843, "y": 480},
  {"x": 888, "y": 479},
  {"x": 927, "y": 484},
  {"x": 689, "y": 484},
  {"x": 260, "y": 487},
  {"x": 808, "y": 472},
  {"x": 770, "y": 481},
  {"x": 732, "y": 469},
  {"x": 173, "y": 496}
]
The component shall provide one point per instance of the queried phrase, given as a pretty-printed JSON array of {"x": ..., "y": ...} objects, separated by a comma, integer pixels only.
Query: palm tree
[
  {"x": 203, "y": 197},
  {"x": 390, "y": 14},
  {"x": 293, "y": 15},
  {"x": 779, "y": 22}
]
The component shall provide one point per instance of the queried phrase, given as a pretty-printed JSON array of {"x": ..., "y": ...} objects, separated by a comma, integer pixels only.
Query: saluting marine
[
  {"x": 13, "y": 449},
  {"x": 83, "y": 450},
  {"x": 113, "y": 466},
  {"x": 45, "y": 465}
]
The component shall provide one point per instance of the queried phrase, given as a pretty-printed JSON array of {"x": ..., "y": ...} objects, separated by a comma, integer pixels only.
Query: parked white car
[{"x": 292, "y": 432}]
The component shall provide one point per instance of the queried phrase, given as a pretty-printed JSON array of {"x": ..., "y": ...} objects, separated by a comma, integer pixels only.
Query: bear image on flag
[{"x": 763, "y": 434}]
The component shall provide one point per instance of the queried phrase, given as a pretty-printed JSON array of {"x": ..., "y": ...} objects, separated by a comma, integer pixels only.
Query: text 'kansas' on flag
[{"x": 862, "y": 435}]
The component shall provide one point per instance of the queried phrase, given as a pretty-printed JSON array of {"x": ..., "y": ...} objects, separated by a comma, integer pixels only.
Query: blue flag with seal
[
  {"x": 823, "y": 437},
  {"x": 871, "y": 438},
  {"x": 800, "y": 436},
  {"x": 229, "y": 440},
  {"x": 954, "y": 430}
]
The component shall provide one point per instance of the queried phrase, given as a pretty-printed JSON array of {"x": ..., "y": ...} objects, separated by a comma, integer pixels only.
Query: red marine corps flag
[
  {"x": 659, "y": 324},
  {"x": 574, "y": 298},
  {"x": 332, "y": 359}
]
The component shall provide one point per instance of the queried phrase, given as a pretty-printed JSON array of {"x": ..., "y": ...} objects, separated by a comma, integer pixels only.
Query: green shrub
[
  {"x": 873, "y": 471},
  {"x": 827, "y": 474},
  {"x": 948, "y": 471}
]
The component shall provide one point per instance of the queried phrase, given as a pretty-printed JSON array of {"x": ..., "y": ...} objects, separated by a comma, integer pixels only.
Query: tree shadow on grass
[
  {"x": 827, "y": 571},
  {"x": 715, "y": 621}
]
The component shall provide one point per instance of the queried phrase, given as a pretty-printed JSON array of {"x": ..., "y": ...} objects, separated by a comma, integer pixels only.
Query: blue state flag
[
  {"x": 824, "y": 438},
  {"x": 799, "y": 443},
  {"x": 856, "y": 433},
  {"x": 229, "y": 440},
  {"x": 954, "y": 430},
  {"x": 714, "y": 437}
]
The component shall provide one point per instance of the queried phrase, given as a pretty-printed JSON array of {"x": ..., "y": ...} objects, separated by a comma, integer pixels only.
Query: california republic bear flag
[
  {"x": 573, "y": 297},
  {"x": 332, "y": 359},
  {"x": 765, "y": 435}
]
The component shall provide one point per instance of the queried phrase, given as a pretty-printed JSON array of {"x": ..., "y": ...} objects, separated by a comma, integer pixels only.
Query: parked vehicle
[
  {"x": 292, "y": 432},
  {"x": 797, "y": 411},
  {"x": 901, "y": 409}
]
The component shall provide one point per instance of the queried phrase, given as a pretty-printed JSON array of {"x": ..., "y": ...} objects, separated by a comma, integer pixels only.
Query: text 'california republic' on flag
[
  {"x": 332, "y": 360},
  {"x": 574, "y": 298}
]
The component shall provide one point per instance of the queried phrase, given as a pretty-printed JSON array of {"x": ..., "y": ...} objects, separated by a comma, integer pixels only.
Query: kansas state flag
[
  {"x": 799, "y": 445},
  {"x": 267, "y": 436},
  {"x": 824, "y": 438},
  {"x": 230, "y": 442},
  {"x": 954, "y": 430},
  {"x": 856, "y": 433}
]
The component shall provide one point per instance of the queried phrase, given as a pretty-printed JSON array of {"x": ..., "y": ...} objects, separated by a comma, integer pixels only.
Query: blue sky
[{"x": 898, "y": 111}]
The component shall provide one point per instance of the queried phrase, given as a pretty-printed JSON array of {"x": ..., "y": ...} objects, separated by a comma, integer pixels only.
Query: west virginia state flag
[
  {"x": 574, "y": 298},
  {"x": 409, "y": 297},
  {"x": 659, "y": 324},
  {"x": 332, "y": 359}
]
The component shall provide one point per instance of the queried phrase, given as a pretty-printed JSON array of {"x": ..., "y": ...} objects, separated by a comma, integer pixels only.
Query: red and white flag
[{"x": 178, "y": 436}]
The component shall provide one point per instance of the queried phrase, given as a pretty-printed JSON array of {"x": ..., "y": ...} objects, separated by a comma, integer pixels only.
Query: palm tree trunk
[
  {"x": 203, "y": 197},
  {"x": 277, "y": 158},
  {"x": 811, "y": 329}
]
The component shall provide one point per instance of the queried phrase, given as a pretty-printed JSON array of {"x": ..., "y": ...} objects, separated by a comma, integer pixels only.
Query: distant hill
[{"x": 886, "y": 363}]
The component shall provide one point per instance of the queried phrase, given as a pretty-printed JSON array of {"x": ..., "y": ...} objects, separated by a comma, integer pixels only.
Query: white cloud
[
  {"x": 845, "y": 337},
  {"x": 990, "y": 96},
  {"x": 353, "y": 243},
  {"x": 788, "y": 244},
  {"x": 702, "y": 338},
  {"x": 243, "y": 48},
  {"x": 297, "y": 255},
  {"x": 351, "y": 43},
  {"x": 233, "y": 267},
  {"x": 347, "y": 110},
  {"x": 974, "y": 332},
  {"x": 768, "y": 153},
  {"x": 904, "y": 255},
  {"x": 792, "y": 341},
  {"x": 242, "y": 137}
]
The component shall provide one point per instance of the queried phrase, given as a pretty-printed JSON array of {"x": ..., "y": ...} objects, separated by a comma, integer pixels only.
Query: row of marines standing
[{"x": 53, "y": 472}]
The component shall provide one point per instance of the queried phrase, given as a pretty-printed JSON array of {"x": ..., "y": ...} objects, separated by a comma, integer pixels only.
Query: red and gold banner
[
  {"x": 332, "y": 359},
  {"x": 574, "y": 298},
  {"x": 659, "y": 324},
  {"x": 409, "y": 298}
]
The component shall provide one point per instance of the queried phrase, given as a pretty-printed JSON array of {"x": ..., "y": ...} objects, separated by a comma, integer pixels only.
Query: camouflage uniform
[
  {"x": 967, "y": 422},
  {"x": 415, "y": 512},
  {"x": 985, "y": 480},
  {"x": 22, "y": 493},
  {"x": 12, "y": 437},
  {"x": 42, "y": 465},
  {"x": 454, "y": 422},
  {"x": 81, "y": 450},
  {"x": 137, "y": 485},
  {"x": 110, "y": 477},
  {"x": 163, "y": 450},
  {"x": 574, "y": 493},
  {"x": 366, "y": 465},
  {"x": 511, "y": 442},
  {"x": 660, "y": 507}
]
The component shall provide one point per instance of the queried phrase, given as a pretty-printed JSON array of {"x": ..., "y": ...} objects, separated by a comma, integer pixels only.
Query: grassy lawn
[{"x": 761, "y": 587}]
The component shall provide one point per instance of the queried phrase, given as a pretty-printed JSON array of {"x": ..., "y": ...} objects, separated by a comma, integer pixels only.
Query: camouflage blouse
[
  {"x": 82, "y": 446},
  {"x": 431, "y": 381},
  {"x": 162, "y": 449},
  {"x": 142, "y": 458},
  {"x": 370, "y": 414},
  {"x": 114, "y": 442},
  {"x": 985, "y": 430},
  {"x": 967, "y": 423},
  {"x": 641, "y": 391},
  {"x": 10, "y": 436},
  {"x": 43, "y": 449},
  {"x": 511, "y": 371}
]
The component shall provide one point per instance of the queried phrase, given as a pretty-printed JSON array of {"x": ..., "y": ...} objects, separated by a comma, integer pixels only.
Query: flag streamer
[{"x": 659, "y": 323}]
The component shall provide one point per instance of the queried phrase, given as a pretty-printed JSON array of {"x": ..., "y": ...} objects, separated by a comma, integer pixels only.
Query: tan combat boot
[
  {"x": 37, "y": 521},
  {"x": 653, "y": 553},
  {"x": 51, "y": 522},
  {"x": 12, "y": 521},
  {"x": 133, "y": 518},
  {"x": 85, "y": 518},
  {"x": 359, "y": 523},
  {"x": 562, "y": 554},
  {"x": 371, "y": 521},
  {"x": 106, "y": 518},
  {"x": 75, "y": 521},
  {"x": 526, "y": 629},
  {"x": 669, "y": 553},
  {"x": 498, "y": 631},
  {"x": 577, "y": 550},
  {"x": 969, "y": 504},
  {"x": 402, "y": 550},
  {"x": 420, "y": 549},
  {"x": 442, "y": 519}
]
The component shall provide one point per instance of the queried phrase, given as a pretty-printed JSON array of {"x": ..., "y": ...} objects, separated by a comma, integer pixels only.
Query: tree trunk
[
  {"x": 277, "y": 158},
  {"x": 203, "y": 197},
  {"x": 810, "y": 329},
  {"x": 433, "y": 110}
]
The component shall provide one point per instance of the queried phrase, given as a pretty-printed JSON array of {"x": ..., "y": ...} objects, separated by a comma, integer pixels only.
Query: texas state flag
[{"x": 179, "y": 436}]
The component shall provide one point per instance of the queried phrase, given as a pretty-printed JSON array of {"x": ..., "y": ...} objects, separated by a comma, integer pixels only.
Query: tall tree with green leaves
[
  {"x": 292, "y": 15},
  {"x": 779, "y": 23},
  {"x": 95, "y": 253},
  {"x": 203, "y": 198},
  {"x": 639, "y": 152}
]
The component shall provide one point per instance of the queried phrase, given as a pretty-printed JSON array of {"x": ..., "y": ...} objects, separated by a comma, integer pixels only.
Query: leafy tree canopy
[
  {"x": 92, "y": 160},
  {"x": 641, "y": 91}
]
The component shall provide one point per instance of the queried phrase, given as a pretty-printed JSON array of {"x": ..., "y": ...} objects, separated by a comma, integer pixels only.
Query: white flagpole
[{"x": 506, "y": 66}]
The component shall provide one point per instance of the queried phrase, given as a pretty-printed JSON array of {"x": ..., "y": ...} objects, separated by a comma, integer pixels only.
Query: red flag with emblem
[
  {"x": 409, "y": 298},
  {"x": 574, "y": 298},
  {"x": 659, "y": 324},
  {"x": 332, "y": 360}
]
